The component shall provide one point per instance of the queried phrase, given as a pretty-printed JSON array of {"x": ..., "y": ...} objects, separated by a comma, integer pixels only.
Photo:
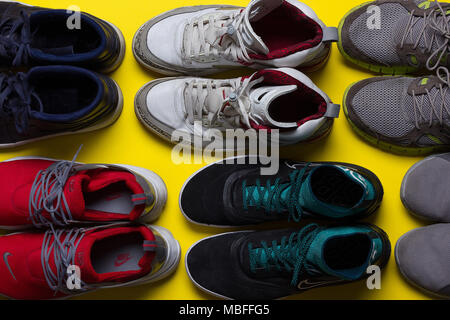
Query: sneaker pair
[
  {"x": 422, "y": 254},
  {"x": 56, "y": 96},
  {"x": 399, "y": 114},
  {"x": 276, "y": 263},
  {"x": 91, "y": 225},
  {"x": 201, "y": 40}
]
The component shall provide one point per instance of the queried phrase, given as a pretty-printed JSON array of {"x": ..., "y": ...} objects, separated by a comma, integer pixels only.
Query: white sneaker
[
  {"x": 202, "y": 40},
  {"x": 283, "y": 99}
]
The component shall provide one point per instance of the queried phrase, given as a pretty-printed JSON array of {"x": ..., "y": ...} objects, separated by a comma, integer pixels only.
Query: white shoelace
[
  {"x": 216, "y": 35},
  {"x": 206, "y": 100}
]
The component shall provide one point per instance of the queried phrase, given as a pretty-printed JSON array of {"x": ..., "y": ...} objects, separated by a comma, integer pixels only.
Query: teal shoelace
[
  {"x": 289, "y": 254},
  {"x": 269, "y": 197}
]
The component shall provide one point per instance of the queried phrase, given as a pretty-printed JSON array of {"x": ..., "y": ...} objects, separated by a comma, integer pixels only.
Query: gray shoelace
[
  {"x": 438, "y": 20},
  {"x": 62, "y": 245},
  {"x": 437, "y": 109},
  {"x": 47, "y": 194}
]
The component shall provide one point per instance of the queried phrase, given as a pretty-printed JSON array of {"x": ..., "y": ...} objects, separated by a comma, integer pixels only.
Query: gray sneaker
[
  {"x": 422, "y": 256},
  {"x": 396, "y": 36},
  {"x": 401, "y": 114},
  {"x": 425, "y": 189}
]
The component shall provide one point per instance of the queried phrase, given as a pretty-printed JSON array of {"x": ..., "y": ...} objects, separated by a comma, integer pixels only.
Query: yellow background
[{"x": 129, "y": 142}]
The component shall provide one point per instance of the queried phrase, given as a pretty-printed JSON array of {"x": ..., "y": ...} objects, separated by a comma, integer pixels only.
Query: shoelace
[
  {"x": 289, "y": 254},
  {"x": 199, "y": 93},
  {"x": 439, "y": 21},
  {"x": 62, "y": 246},
  {"x": 16, "y": 97},
  {"x": 15, "y": 38},
  {"x": 47, "y": 194},
  {"x": 437, "y": 110},
  {"x": 216, "y": 35},
  {"x": 269, "y": 197}
]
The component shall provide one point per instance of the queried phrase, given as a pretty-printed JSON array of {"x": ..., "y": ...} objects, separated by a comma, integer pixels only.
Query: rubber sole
[
  {"x": 372, "y": 67},
  {"x": 389, "y": 147},
  {"x": 103, "y": 124}
]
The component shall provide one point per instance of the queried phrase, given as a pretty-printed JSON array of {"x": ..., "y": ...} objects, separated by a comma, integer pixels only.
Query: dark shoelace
[
  {"x": 269, "y": 197},
  {"x": 289, "y": 254},
  {"x": 16, "y": 98},
  {"x": 15, "y": 39},
  {"x": 47, "y": 194}
]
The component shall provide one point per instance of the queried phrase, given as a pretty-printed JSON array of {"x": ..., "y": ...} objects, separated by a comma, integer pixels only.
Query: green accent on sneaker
[
  {"x": 389, "y": 147},
  {"x": 424, "y": 81},
  {"x": 401, "y": 70}
]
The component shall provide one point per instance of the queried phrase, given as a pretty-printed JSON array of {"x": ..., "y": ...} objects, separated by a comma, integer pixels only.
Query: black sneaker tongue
[{"x": 61, "y": 51}]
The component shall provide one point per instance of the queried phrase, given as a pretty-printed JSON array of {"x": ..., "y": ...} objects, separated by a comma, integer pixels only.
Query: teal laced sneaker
[
  {"x": 278, "y": 263},
  {"x": 237, "y": 194}
]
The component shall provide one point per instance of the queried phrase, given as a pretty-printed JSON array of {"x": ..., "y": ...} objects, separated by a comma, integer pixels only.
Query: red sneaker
[
  {"x": 44, "y": 192},
  {"x": 63, "y": 263}
]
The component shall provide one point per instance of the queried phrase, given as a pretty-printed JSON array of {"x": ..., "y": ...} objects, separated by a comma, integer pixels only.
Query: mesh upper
[
  {"x": 378, "y": 44},
  {"x": 387, "y": 108},
  {"x": 379, "y": 106}
]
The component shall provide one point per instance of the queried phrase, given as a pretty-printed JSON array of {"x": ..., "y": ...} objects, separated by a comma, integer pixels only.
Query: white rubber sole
[
  {"x": 151, "y": 177},
  {"x": 105, "y": 123},
  {"x": 159, "y": 188}
]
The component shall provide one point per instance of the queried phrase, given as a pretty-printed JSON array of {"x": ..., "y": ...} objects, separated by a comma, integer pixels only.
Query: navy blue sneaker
[
  {"x": 233, "y": 194},
  {"x": 38, "y": 36},
  {"x": 255, "y": 265},
  {"x": 54, "y": 101}
]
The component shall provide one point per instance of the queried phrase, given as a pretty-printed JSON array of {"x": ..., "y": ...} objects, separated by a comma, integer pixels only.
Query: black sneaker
[
  {"x": 236, "y": 195},
  {"x": 39, "y": 36},
  {"x": 54, "y": 101},
  {"x": 274, "y": 264}
]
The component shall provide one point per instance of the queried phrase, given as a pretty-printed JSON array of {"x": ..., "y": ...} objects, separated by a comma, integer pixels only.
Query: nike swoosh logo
[
  {"x": 121, "y": 260},
  {"x": 5, "y": 258},
  {"x": 307, "y": 284}
]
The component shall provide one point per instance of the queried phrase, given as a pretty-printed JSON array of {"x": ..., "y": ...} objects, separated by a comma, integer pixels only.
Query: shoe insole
[
  {"x": 118, "y": 253},
  {"x": 345, "y": 253},
  {"x": 293, "y": 107},
  {"x": 332, "y": 186},
  {"x": 116, "y": 198},
  {"x": 62, "y": 93},
  {"x": 52, "y": 35}
]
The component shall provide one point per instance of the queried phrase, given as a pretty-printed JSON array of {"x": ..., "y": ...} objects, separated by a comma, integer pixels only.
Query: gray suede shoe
[
  {"x": 396, "y": 36},
  {"x": 425, "y": 189},
  {"x": 422, "y": 256}
]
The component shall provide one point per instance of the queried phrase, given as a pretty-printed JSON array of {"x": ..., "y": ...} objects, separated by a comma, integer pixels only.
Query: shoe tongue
[
  {"x": 255, "y": 11},
  {"x": 316, "y": 255},
  {"x": 261, "y": 98}
]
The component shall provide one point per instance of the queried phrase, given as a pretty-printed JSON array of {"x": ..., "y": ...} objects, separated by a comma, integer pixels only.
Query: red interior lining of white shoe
[
  {"x": 300, "y": 106},
  {"x": 287, "y": 30}
]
